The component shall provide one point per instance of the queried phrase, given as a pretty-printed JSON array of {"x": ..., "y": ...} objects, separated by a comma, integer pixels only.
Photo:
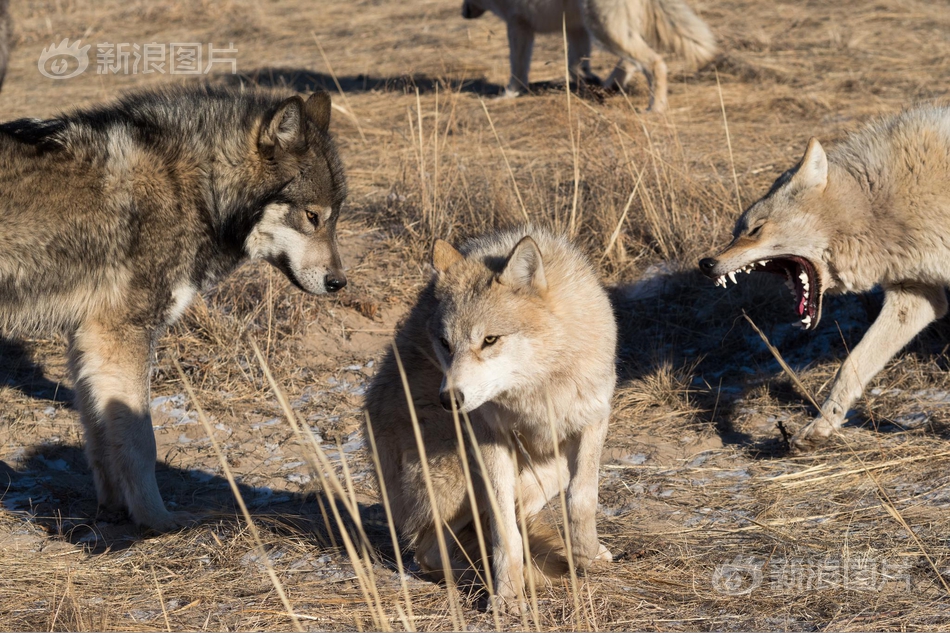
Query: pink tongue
[{"x": 801, "y": 307}]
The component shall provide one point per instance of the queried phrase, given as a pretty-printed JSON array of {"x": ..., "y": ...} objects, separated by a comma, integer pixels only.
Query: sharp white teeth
[
  {"x": 721, "y": 281},
  {"x": 804, "y": 279},
  {"x": 807, "y": 320},
  {"x": 763, "y": 262},
  {"x": 732, "y": 277}
]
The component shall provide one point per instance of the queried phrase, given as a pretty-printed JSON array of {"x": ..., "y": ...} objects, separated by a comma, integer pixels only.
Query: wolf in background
[
  {"x": 115, "y": 216},
  {"x": 873, "y": 212},
  {"x": 515, "y": 331},
  {"x": 630, "y": 29}
]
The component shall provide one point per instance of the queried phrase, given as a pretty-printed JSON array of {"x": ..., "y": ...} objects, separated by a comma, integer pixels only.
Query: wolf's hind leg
[
  {"x": 622, "y": 38},
  {"x": 110, "y": 367},
  {"x": 637, "y": 54},
  {"x": 578, "y": 54},
  {"x": 429, "y": 557},
  {"x": 538, "y": 484},
  {"x": 907, "y": 310}
]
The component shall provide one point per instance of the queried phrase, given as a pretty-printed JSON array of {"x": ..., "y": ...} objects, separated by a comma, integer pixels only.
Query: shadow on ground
[
  {"x": 304, "y": 80},
  {"x": 17, "y": 370},
  {"x": 680, "y": 320},
  {"x": 51, "y": 486}
]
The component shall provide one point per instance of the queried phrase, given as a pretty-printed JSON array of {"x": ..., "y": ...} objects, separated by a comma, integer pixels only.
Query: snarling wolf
[
  {"x": 874, "y": 212},
  {"x": 629, "y": 29},
  {"x": 116, "y": 216},
  {"x": 516, "y": 332}
]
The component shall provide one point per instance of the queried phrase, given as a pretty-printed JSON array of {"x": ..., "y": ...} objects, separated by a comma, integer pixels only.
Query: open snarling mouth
[{"x": 800, "y": 277}]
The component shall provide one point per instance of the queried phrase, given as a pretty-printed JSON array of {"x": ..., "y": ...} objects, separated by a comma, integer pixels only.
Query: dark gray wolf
[
  {"x": 630, "y": 29},
  {"x": 517, "y": 332},
  {"x": 873, "y": 212},
  {"x": 115, "y": 216}
]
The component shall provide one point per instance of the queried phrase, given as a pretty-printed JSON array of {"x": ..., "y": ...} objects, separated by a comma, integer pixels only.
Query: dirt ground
[{"x": 714, "y": 524}]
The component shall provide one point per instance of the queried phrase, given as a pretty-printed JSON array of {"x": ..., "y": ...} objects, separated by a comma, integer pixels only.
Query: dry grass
[{"x": 695, "y": 472}]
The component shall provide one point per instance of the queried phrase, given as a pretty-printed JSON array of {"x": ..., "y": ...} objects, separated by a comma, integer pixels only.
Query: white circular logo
[
  {"x": 64, "y": 60},
  {"x": 738, "y": 578}
]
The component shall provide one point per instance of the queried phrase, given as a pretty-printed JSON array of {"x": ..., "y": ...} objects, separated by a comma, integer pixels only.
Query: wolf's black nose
[
  {"x": 707, "y": 264},
  {"x": 334, "y": 283},
  {"x": 445, "y": 397}
]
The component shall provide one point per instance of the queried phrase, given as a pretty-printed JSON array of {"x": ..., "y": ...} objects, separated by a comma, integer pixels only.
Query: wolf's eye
[
  {"x": 314, "y": 218},
  {"x": 445, "y": 344},
  {"x": 489, "y": 341},
  {"x": 755, "y": 231}
]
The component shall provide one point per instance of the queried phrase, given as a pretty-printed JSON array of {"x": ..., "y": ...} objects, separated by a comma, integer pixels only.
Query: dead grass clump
[{"x": 631, "y": 200}]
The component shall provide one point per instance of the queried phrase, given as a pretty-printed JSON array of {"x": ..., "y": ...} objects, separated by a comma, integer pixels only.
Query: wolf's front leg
[
  {"x": 520, "y": 44},
  {"x": 110, "y": 369},
  {"x": 584, "y": 461},
  {"x": 507, "y": 547},
  {"x": 907, "y": 310}
]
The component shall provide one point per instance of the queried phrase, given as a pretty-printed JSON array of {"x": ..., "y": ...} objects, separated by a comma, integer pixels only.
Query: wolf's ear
[
  {"x": 318, "y": 109},
  {"x": 524, "y": 268},
  {"x": 813, "y": 170},
  {"x": 444, "y": 255},
  {"x": 284, "y": 129}
]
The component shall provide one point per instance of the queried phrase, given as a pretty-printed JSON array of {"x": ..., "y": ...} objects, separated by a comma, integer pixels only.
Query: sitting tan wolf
[
  {"x": 516, "y": 332},
  {"x": 874, "y": 212}
]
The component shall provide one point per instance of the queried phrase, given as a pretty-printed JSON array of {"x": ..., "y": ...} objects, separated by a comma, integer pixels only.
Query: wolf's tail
[{"x": 672, "y": 25}]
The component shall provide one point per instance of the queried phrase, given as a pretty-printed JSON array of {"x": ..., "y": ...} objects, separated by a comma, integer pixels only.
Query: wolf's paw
[
  {"x": 603, "y": 555},
  {"x": 599, "y": 555},
  {"x": 814, "y": 434},
  {"x": 508, "y": 605},
  {"x": 170, "y": 521},
  {"x": 111, "y": 514}
]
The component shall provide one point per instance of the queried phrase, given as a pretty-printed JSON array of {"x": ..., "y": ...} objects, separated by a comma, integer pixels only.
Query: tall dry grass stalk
[
  {"x": 236, "y": 491},
  {"x": 360, "y": 556},
  {"x": 454, "y": 608}
]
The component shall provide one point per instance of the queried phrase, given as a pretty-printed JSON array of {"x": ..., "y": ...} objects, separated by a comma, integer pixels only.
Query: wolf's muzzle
[
  {"x": 334, "y": 282},
  {"x": 707, "y": 264},
  {"x": 445, "y": 397}
]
